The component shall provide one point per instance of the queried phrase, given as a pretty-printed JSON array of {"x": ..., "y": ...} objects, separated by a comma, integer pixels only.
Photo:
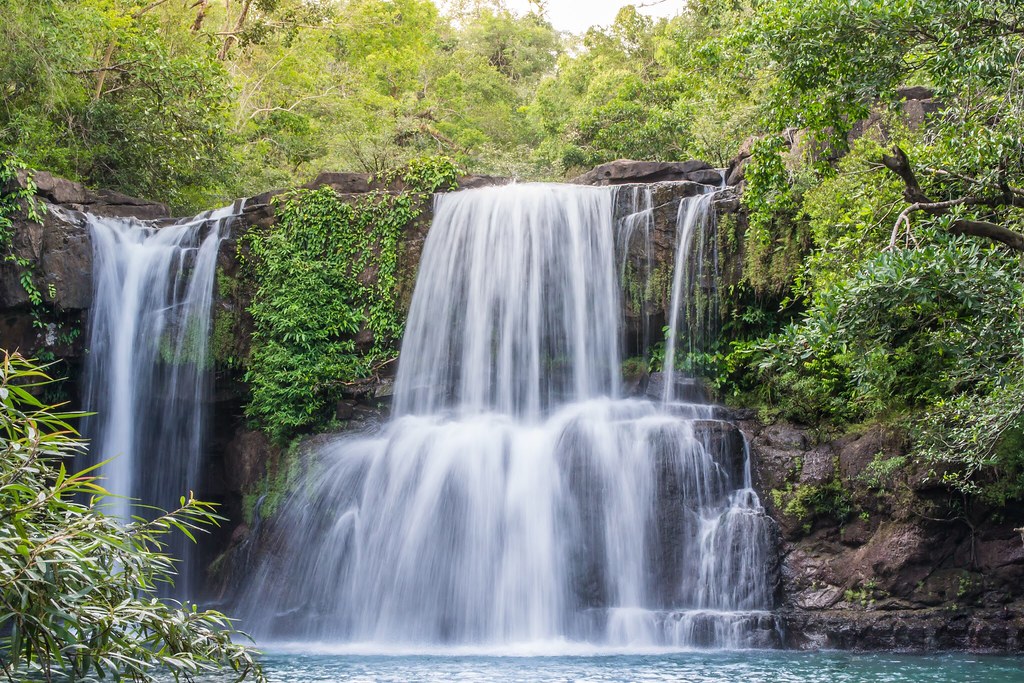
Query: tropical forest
[{"x": 512, "y": 340}]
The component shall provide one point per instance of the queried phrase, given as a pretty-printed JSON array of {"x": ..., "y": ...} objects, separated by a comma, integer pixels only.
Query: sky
[{"x": 579, "y": 15}]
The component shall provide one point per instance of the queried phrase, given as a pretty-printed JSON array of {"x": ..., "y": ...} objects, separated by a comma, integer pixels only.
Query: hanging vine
[{"x": 325, "y": 273}]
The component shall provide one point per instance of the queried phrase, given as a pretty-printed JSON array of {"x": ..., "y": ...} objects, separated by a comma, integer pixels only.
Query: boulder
[{"x": 624, "y": 171}]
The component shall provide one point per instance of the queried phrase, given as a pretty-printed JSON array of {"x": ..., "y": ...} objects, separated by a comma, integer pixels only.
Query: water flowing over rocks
[
  {"x": 514, "y": 496},
  {"x": 884, "y": 580}
]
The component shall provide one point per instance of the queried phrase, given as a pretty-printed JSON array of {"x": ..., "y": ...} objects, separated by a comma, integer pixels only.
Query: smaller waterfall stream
[
  {"x": 687, "y": 322},
  {"x": 147, "y": 374}
]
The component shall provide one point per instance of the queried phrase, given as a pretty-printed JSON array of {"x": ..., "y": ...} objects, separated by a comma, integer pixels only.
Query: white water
[
  {"x": 147, "y": 373},
  {"x": 634, "y": 211},
  {"x": 687, "y": 323},
  {"x": 516, "y": 498}
]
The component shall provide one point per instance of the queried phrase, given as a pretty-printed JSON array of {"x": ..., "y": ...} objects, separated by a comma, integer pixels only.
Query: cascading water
[
  {"x": 692, "y": 312},
  {"x": 514, "y": 497},
  {"x": 634, "y": 211},
  {"x": 147, "y": 373}
]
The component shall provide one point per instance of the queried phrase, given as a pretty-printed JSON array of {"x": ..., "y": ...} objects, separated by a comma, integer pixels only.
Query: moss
[
  {"x": 806, "y": 503},
  {"x": 658, "y": 291},
  {"x": 227, "y": 286},
  {"x": 728, "y": 233},
  {"x": 633, "y": 368},
  {"x": 636, "y": 293},
  {"x": 278, "y": 483},
  {"x": 224, "y": 338}
]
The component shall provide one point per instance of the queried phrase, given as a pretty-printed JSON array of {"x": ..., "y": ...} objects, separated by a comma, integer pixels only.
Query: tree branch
[
  {"x": 899, "y": 164},
  {"x": 239, "y": 25},
  {"x": 203, "y": 6}
]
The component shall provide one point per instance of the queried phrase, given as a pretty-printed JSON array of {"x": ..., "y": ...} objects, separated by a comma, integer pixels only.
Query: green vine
[
  {"x": 326, "y": 307},
  {"x": 18, "y": 197},
  {"x": 14, "y": 199}
]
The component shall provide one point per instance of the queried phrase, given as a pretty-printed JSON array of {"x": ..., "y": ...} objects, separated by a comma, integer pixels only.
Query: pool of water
[{"x": 691, "y": 667}]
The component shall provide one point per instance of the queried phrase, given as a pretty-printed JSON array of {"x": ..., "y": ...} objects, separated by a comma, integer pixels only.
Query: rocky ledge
[{"x": 876, "y": 561}]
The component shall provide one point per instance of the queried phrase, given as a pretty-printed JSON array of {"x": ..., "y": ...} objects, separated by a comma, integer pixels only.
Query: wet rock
[
  {"x": 856, "y": 532},
  {"x": 737, "y": 171},
  {"x": 687, "y": 389},
  {"x": 784, "y": 436},
  {"x": 474, "y": 181},
  {"x": 915, "y": 92},
  {"x": 385, "y": 389},
  {"x": 344, "y": 183},
  {"x": 345, "y": 410},
  {"x": 999, "y": 630},
  {"x": 819, "y": 597},
  {"x": 245, "y": 460},
  {"x": 240, "y": 534},
  {"x": 817, "y": 466},
  {"x": 856, "y": 452},
  {"x": 706, "y": 177}
]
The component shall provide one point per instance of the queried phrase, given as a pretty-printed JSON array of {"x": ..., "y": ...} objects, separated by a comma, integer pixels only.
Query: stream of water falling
[
  {"x": 147, "y": 374},
  {"x": 688, "y": 324},
  {"x": 515, "y": 496}
]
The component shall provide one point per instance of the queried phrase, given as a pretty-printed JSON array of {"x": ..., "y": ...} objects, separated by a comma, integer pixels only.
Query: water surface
[{"x": 693, "y": 667}]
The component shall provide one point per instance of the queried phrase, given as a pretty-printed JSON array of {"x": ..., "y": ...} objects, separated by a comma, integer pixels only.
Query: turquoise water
[{"x": 748, "y": 667}]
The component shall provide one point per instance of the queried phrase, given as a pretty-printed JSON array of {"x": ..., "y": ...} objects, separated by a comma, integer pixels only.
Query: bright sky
[{"x": 579, "y": 15}]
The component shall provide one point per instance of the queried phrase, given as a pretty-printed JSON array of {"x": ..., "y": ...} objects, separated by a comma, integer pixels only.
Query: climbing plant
[
  {"x": 18, "y": 197},
  {"x": 325, "y": 274}
]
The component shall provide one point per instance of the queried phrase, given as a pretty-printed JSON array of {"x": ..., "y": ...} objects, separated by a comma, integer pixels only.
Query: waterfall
[
  {"x": 634, "y": 212},
  {"x": 692, "y": 313},
  {"x": 147, "y": 375},
  {"x": 515, "y": 496}
]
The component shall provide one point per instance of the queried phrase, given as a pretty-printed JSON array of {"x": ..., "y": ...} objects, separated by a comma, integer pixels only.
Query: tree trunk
[
  {"x": 203, "y": 6},
  {"x": 233, "y": 34}
]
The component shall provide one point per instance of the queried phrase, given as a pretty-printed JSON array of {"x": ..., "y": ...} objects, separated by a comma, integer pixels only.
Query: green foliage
[
  {"x": 151, "y": 121},
  {"x": 808, "y": 502},
  {"x": 78, "y": 588},
  {"x": 909, "y": 328},
  {"x": 775, "y": 241},
  {"x": 849, "y": 215},
  {"x": 646, "y": 89},
  {"x": 325, "y": 273},
  {"x": 865, "y": 594},
  {"x": 15, "y": 199},
  {"x": 974, "y": 442},
  {"x": 18, "y": 196}
]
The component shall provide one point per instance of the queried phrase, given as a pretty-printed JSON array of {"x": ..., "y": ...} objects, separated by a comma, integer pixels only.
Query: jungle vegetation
[{"x": 883, "y": 277}]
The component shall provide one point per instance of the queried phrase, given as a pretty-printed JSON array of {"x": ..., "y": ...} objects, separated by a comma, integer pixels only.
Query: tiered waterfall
[{"x": 515, "y": 495}]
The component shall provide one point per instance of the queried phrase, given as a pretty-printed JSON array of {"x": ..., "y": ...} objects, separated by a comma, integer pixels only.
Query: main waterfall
[{"x": 516, "y": 496}]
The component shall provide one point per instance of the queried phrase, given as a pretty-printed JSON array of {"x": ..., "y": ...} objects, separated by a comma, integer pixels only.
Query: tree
[
  {"x": 832, "y": 61},
  {"x": 78, "y": 588}
]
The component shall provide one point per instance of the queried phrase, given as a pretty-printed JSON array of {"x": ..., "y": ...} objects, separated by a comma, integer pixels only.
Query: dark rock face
[
  {"x": 888, "y": 575},
  {"x": 925, "y": 630},
  {"x": 625, "y": 171},
  {"x": 58, "y": 254},
  {"x": 77, "y": 197}
]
